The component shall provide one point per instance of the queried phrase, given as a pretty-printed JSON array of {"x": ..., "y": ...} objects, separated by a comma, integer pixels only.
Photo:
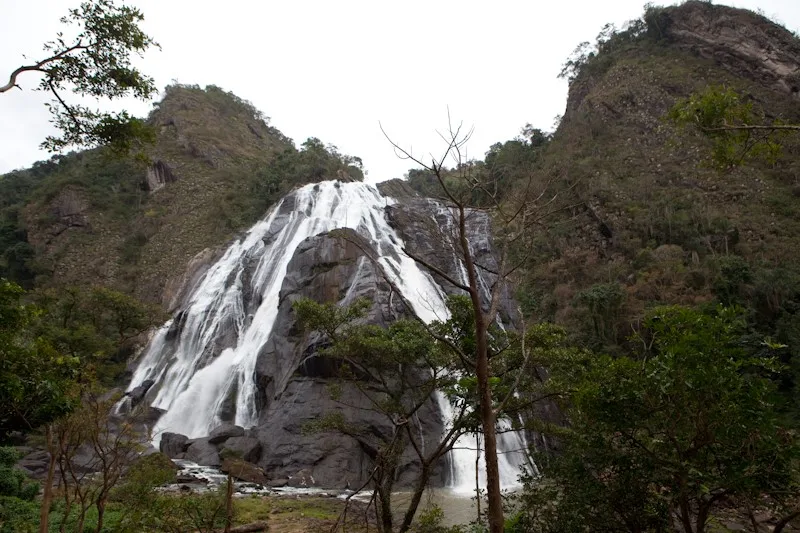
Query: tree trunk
[
  {"x": 702, "y": 516},
  {"x": 229, "y": 505},
  {"x": 686, "y": 519},
  {"x": 101, "y": 511},
  {"x": 82, "y": 519},
  {"x": 385, "y": 506},
  {"x": 47, "y": 496},
  {"x": 478, "y": 475},
  {"x": 494, "y": 511},
  {"x": 415, "y": 499}
]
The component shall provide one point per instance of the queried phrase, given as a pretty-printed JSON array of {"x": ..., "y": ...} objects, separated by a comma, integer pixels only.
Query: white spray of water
[{"x": 193, "y": 382}]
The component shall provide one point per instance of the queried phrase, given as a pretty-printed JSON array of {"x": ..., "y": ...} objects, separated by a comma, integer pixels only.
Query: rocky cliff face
[{"x": 739, "y": 41}]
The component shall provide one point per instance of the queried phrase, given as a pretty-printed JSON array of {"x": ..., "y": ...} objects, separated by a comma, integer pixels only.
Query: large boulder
[
  {"x": 202, "y": 452},
  {"x": 173, "y": 445},
  {"x": 224, "y": 432},
  {"x": 243, "y": 471},
  {"x": 247, "y": 448}
]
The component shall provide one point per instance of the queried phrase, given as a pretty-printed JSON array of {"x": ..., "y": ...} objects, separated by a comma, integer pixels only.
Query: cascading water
[{"x": 235, "y": 305}]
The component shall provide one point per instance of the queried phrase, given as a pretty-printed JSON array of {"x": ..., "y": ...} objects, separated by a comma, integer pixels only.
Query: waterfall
[{"x": 235, "y": 305}]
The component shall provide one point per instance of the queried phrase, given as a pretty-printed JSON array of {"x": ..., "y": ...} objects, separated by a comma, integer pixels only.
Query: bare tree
[{"x": 92, "y": 451}]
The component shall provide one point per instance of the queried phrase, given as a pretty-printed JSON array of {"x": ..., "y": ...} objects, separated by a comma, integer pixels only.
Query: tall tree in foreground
[
  {"x": 37, "y": 382},
  {"x": 667, "y": 434},
  {"x": 397, "y": 371},
  {"x": 465, "y": 188},
  {"x": 93, "y": 59}
]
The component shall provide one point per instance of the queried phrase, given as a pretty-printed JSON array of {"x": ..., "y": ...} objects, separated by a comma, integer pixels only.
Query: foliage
[
  {"x": 670, "y": 430},
  {"x": 96, "y": 325},
  {"x": 13, "y": 481},
  {"x": 734, "y": 273},
  {"x": 737, "y": 132},
  {"x": 52, "y": 351},
  {"x": 265, "y": 183},
  {"x": 18, "y": 515},
  {"x": 396, "y": 370},
  {"x": 595, "y": 59},
  {"x": 37, "y": 383},
  {"x": 18, "y": 512},
  {"x": 430, "y": 521},
  {"x": 604, "y": 302},
  {"x": 110, "y": 185},
  {"x": 94, "y": 61}
]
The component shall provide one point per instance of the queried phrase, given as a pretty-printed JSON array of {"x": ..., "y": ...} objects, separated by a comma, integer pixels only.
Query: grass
[{"x": 291, "y": 514}]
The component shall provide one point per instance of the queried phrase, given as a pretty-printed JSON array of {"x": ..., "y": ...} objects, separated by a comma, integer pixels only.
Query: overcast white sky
[{"x": 333, "y": 69}]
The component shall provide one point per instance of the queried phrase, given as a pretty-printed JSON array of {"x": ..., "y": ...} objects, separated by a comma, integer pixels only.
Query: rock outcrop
[
  {"x": 746, "y": 44},
  {"x": 158, "y": 174}
]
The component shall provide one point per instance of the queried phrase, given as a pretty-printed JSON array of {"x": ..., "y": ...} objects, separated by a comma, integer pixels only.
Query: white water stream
[{"x": 192, "y": 385}]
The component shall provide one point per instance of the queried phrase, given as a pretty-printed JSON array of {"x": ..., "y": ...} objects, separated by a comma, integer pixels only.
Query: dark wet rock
[
  {"x": 246, "y": 448},
  {"x": 151, "y": 415},
  {"x": 429, "y": 231},
  {"x": 137, "y": 393},
  {"x": 222, "y": 433},
  {"x": 173, "y": 444},
  {"x": 278, "y": 483},
  {"x": 188, "y": 478},
  {"x": 202, "y": 452},
  {"x": 158, "y": 174},
  {"x": 293, "y": 380}
]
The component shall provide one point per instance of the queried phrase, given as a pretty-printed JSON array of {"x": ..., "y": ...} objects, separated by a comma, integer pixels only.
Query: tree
[
  {"x": 398, "y": 371},
  {"x": 93, "y": 449},
  {"x": 401, "y": 368},
  {"x": 94, "y": 61},
  {"x": 667, "y": 433},
  {"x": 465, "y": 190},
  {"x": 36, "y": 381},
  {"x": 738, "y": 133}
]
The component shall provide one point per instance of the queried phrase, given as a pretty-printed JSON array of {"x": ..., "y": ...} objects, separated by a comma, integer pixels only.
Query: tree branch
[
  {"x": 12, "y": 80},
  {"x": 748, "y": 127}
]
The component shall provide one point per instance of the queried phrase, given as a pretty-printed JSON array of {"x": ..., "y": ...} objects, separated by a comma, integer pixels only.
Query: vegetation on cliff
[{"x": 87, "y": 215}]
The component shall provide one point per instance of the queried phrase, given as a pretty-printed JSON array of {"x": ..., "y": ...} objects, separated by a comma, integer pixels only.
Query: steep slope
[
  {"x": 654, "y": 221},
  {"x": 135, "y": 226}
]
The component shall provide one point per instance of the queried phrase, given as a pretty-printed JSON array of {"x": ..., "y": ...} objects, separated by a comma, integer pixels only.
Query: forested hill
[
  {"x": 134, "y": 225},
  {"x": 658, "y": 220},
  {"x": 650, "y": 218}
]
